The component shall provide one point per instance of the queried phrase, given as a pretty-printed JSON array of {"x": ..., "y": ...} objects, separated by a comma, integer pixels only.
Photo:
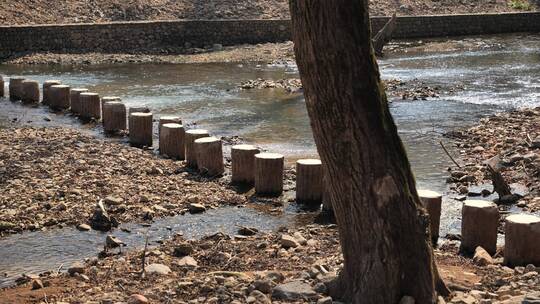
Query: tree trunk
[{"x": 382, "y": 225}]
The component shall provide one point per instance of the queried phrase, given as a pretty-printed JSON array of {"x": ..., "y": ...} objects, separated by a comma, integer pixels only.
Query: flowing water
[{"x": 499, "y": 73}]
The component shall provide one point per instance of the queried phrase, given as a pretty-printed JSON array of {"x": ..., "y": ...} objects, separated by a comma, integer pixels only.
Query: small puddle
[{"x": 37, "y": 252}]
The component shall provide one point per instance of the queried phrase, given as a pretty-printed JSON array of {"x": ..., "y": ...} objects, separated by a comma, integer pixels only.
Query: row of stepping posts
[
  {"x": 201, "y": 151},
  {"x": 479, "y": 223}
]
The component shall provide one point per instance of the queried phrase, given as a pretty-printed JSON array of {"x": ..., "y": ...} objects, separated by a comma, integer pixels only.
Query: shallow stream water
[{"x": 499, "y": 73}]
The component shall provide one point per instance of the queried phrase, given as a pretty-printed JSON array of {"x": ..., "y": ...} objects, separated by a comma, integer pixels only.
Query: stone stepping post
[
  {"x": 168, "y": 119},
  {"x": 90, "y": 105},
  {"x": 2, "y": 87},
  {"x": 15, "y": 88},
  {"x": 269, "y": 174},
  {"x": 479, "y": 221},
  {"x": 432, "y": 201},
  {"x": 191, "y": 153},
  {"x": 59, "y": 97},
  {"x": 243, "y": 164},
  {"x": 114, "y": 117},
  {"x": 309, "y": 181},
  {"x": 209, "y": 156},
  {"x": 30, "y": 89},
  {"x": 522, "y": 240},
  {"x": 140, "y": 129},
  {"x": 46, "y": 88},
  {"x": 171, "y": 141},
  {"x": 75, "y": 99}
]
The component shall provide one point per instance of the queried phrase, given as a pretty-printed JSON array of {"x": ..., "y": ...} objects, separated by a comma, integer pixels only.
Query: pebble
[
  {"x": 84, "y": 227},
  {"x": 187, "y": 262},
  {"x": 137, "y": 299},
  {"x": 158, "y": 269},
  {"x": 196, "y": 208}
]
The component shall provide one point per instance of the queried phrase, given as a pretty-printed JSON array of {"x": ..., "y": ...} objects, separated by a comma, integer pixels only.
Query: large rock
[
  {"x": 157, "y": 268},
  {"x": 295, "y": 290},
  {"x": 482, "y": 257},
  {"x": 76, "y": 268}
]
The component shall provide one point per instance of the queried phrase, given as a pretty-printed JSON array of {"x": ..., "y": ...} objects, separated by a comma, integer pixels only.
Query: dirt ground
[{"x": 77, "y": 11}]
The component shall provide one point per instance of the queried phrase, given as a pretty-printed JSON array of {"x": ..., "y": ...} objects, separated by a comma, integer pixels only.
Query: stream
[{"x": 499, "y": 75}]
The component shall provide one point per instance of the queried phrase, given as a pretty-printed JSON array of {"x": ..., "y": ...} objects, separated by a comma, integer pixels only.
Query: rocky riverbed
[
  {"x": 56, "y": 176},
  {"x": 515, "y": 138},
  {"x": 410, "y": 90}
]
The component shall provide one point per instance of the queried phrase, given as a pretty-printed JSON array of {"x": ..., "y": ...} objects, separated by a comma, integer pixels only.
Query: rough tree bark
[{"x": 383, "y": 228}]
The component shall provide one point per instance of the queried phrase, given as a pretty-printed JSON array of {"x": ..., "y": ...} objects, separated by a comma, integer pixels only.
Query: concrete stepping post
[
  {"x": 168, "y": 119},
  {"x": 432, "y": 201},
  {"x": 172, "y": 141},
  {"x": 30, "y": 91},
  {"x": 269, "y": 174},
  {"x": 75, "y": 100},
  {"x": 209, "y": 156},
  {"x": 243, "y": 164},
  {"x": 114, "y": 117},
  {"x": 309, "y": 181},
  {"x": 479, "y": 223},
  {"x": 15, "y": 88},
  {"x": 90, "y": 105},
  {"x": 46, "y": 88},
  {"x": 140, "y": 129},
  {"x": 191, "y": 154},
  {"x": 522, "y": 240},
  {"x": 2, "y": 87},
  {"x": 59, "y": 97}
]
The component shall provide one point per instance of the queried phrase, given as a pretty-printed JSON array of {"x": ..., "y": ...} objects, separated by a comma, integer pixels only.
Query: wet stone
[{"x": 76, "y": 268}]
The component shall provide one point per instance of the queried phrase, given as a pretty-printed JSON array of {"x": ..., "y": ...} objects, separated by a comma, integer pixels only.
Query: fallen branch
[
  {"x": 144, "y": 256},
  {"x": 448, "y": 153},
  {"x": 384, "y": 36}
]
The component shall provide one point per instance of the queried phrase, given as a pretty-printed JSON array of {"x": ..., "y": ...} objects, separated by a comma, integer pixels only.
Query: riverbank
[
  {"x": 77, "y": 11},
  {"x": 270, "y": 53},
  {"x": 514, "y": 137},
  {"x": 292, "y": 265}
]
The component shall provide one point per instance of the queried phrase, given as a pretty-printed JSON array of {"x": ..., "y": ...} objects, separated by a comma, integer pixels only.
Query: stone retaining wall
[{"x": 128, "y": 36}]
